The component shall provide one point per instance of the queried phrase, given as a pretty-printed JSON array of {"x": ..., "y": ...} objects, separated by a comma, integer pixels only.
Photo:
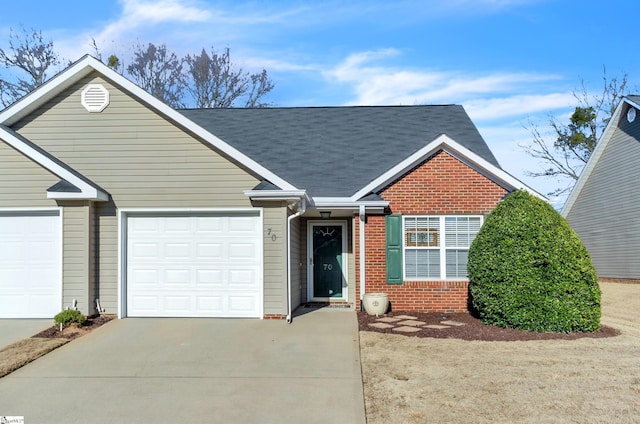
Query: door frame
[{"x": 345, "y": 267}]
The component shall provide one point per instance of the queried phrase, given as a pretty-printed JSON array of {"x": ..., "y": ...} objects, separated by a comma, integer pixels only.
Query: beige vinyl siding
[
  {"x": 76, "y": 274},
  {"x": 23, "y": 183},
  {"x": 275, "y": 259},
  {"x": 605, "y": 215},
  {"x": 106, "y": 273},
  {"x": 142, "y": 161},
  {"x": 138, "y": 157}
]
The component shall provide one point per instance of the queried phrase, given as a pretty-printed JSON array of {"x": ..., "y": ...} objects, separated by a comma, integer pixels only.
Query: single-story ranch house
[{"x": 117, "y": 203}]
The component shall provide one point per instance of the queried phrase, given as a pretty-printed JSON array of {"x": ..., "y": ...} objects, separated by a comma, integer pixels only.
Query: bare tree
[
  {"x": 572, "y": 145},
  {"x": 159, "y": 72},
  {"x": 217, "y": 83},
  {"x": 29, "y": 54}
]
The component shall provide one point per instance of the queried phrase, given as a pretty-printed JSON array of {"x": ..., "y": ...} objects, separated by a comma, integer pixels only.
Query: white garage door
[
  {"x": 194, "y": 266},
  {"x": 30, "y": 264}
]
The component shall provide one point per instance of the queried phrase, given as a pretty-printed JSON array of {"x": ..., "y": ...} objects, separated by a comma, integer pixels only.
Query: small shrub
[
  {"x": 529, "y": 270},
  {"x": 68, "y": 317}
]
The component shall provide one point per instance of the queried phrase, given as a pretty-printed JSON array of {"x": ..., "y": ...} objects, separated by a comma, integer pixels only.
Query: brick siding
[{"x": 441, "y": 185}]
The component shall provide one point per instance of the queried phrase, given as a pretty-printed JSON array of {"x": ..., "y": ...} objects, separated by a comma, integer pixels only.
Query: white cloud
[
  {"x": 485, "y": 96},
  {"x": 517, "y": 105}
]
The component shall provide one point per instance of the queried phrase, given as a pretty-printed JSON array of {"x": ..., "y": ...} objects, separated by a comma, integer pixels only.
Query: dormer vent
[{"x": 95, "y": 98}]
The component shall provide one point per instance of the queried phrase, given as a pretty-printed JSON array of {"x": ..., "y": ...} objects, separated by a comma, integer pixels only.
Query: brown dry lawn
[{"x": 589, "y": 380}]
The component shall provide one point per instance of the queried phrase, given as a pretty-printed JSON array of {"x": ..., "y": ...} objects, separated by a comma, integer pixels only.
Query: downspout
[
  {"x": 303, "y": 208},
  {"x": 362, "y": 216}
]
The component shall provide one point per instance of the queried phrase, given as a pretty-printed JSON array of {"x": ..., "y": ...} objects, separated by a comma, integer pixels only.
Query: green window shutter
[{"x": 393, "y": 224}]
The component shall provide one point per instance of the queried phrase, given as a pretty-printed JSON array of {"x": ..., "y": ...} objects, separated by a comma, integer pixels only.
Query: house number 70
[
  {"x": 327, "y": 267},
  {"x": 273, "y": 236}
]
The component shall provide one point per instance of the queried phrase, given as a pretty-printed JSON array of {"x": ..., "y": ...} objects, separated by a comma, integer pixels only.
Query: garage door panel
[
  {"x": 213, "y": 278},
  {"x": 210, "y": 305},
  {"x": 241, "y": 304},
  {"x": 242, "y": 251},
  {"x": 30, "y": 264},
  {"x": 206, "y": 265},
  {"x": 239, "y": 279},
  {"x": 209, "y": 250},
  {"x": 144, "y": 303}
]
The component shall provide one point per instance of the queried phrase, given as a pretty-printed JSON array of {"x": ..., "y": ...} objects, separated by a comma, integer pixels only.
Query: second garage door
[
  {"x": 204, "y": 265},
  {"x": 30, "y": 264}
]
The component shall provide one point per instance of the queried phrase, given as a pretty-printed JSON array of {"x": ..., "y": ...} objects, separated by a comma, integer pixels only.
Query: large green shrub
[{"x": 529, "y": 270}]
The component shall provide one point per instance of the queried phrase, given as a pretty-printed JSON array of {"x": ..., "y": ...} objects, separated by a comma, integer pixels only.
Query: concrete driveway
[
  {"x": 12, "y": 330},
  {"x": 197, "y": 371}
]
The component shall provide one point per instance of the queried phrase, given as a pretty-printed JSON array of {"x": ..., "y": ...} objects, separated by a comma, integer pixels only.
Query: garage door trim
[
  {"x": 46, "y": 211},
  {"x": 124, "y": 214}
]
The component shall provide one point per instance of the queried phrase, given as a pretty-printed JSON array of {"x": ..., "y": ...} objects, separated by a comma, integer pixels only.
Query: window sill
[{"x": 438, "y": 283}]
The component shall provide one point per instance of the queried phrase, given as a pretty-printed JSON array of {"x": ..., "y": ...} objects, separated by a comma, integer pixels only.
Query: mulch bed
[
  {"x": 474, "y": 329},
  {"x": 73, "y": 332}
]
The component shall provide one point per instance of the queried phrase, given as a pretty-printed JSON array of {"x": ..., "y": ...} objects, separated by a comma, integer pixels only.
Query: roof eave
[
  {"x": 345, "y": 203},
  {"x": 274, "y": 195},
  {"x": 595, "y": 155},
  {"x": 444, "y": 142},
  {"x": 91, "y": 195},
  {"x": 85, "y": 66}
]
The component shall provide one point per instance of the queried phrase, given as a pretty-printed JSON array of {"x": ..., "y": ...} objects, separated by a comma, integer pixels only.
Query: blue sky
[{"x": 508, "y": 62}]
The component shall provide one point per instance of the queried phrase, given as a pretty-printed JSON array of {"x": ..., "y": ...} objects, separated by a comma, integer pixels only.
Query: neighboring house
[
  {"x": 603, "y": 206},
  {"x": 111, "y": 199}
]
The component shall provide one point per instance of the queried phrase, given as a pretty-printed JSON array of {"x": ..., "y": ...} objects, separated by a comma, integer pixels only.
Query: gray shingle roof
[
  {"x": 335, "y": 151},
  {"x": 634, "y": 98}
]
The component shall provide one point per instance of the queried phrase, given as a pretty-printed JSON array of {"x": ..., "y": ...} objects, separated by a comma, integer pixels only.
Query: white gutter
[
  {"x": 303, "y": 208},
  {"x": 363, "y": 217},
  {"x": 275, "y": 194}
]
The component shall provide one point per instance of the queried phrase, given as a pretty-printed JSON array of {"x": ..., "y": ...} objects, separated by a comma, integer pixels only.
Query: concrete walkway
[{"x": 197, "y": 371}]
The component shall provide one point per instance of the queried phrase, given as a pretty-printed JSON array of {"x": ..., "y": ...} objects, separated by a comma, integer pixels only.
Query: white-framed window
[{"x": 436, "y": 247}]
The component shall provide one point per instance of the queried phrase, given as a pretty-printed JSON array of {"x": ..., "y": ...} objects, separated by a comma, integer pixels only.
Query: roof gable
[
  {"x": 457, "y": 150},
  {"x": 83, "y": 67},
  {"x": 607, "y": 134}
]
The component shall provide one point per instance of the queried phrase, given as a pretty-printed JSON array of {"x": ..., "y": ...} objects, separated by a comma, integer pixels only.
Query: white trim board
[
  {"x": 595, "y": 156},
  {"x": 443, "y": 142},
  {"x": 88, "y": 64},
  {"x": 311, "y": 223},
  {"x": 87, "y": 191}
]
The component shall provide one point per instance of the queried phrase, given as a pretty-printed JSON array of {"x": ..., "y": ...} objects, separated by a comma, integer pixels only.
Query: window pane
[
  {"x": 421, "y": 232},
  {"x": 461, "y": 230},
  {"x": 422, "y": 263},
  {"x": 457, "y": 263}
]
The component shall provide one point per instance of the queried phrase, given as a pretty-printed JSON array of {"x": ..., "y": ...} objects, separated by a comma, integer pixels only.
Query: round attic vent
[
  {"x": 631, "y": 114},
  {"x": 95, "y": 98}
]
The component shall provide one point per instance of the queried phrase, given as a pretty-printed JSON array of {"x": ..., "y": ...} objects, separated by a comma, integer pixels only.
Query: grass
[{"x": 20, "y": 353}]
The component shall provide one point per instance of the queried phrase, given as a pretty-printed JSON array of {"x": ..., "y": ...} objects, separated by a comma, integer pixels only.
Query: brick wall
[{"x": 442, "y": 185}]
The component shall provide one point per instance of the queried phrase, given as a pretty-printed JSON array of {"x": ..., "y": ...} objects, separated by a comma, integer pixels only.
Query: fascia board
[
  {"x": 443, "y": 142},
  {"x": 276, "y": 194},
  {"x": 83, "y": 195},
  {"x": 595, "y": 156},
  {"x": 346, "y": 203},
  {"x": 45, "y": 92},
  {"x": 87, "y": 191},
  {"x": 87, "y": 64}
]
